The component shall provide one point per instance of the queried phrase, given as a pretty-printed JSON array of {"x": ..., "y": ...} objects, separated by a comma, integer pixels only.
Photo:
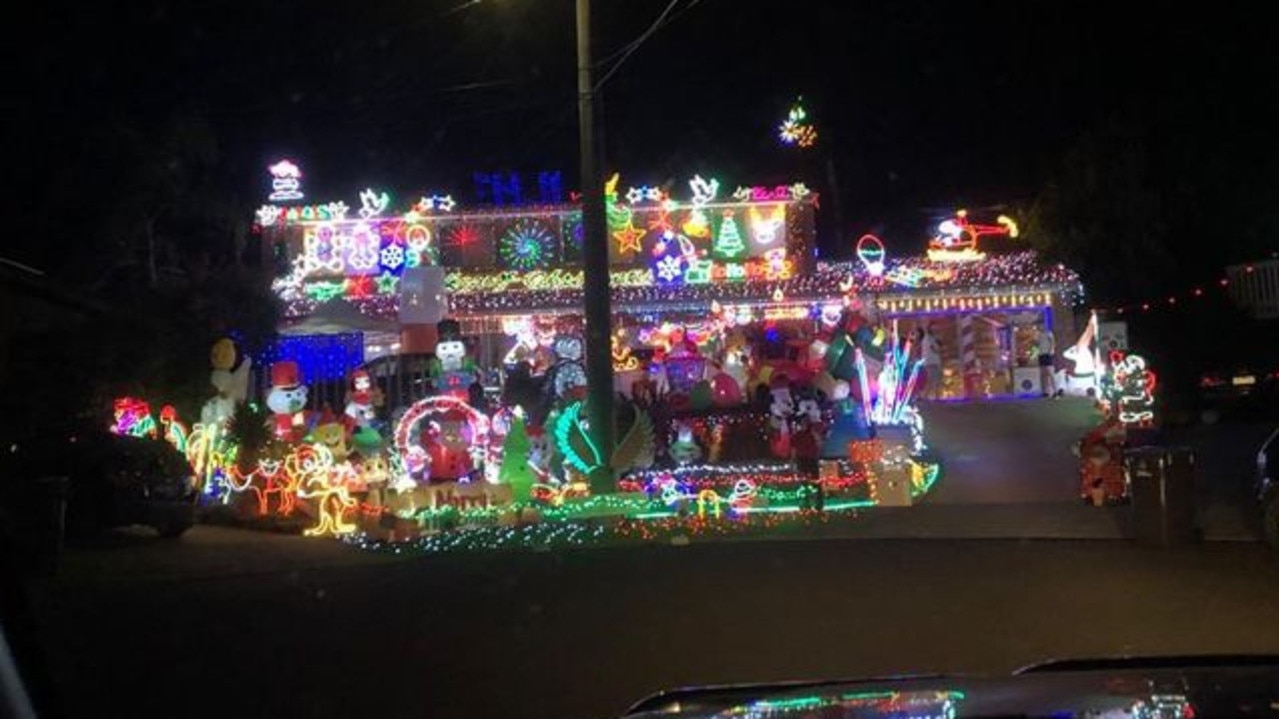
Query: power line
[{"x": 627, "y": 50}]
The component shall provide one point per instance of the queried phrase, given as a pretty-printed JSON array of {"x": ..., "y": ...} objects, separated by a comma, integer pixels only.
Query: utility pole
[{"x": 598, "y": 306}]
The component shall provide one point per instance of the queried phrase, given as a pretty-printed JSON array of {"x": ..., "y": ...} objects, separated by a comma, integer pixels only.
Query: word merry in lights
[
  {"x": 286, "y": 182},
  {"x": 957, "y": 238},
  {"x": 796, "y": 130}
]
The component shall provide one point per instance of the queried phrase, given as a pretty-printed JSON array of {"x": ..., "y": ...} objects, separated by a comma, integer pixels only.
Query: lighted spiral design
[{"x": 526, "y": 246}]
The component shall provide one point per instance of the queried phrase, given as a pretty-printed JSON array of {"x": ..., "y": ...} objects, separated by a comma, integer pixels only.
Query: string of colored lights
[
  {"x": 1178, "y": 300},
  {"x": 668, "y": 527}
]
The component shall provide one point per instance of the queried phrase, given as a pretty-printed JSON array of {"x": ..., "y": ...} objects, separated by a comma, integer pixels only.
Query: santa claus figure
[
  {"x": 1101, "y": 470},
  {"x": 448, "y": 444},
  {"x": 287, "y": 402},
  {"x": 809, "y": 432}
]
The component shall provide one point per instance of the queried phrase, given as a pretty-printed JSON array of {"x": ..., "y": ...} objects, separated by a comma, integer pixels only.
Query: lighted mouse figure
[
  {"x": 685, "y": 450},
  {"x": 287, "y": 401},
  {"x": 781, "y": 411},
  {"x": 809, "y": 429}
]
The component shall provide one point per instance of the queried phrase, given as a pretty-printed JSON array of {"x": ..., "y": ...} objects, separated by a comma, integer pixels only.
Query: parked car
[
  {"x": 111, "y": 480},
  {"x": 1268, "y": 487}
]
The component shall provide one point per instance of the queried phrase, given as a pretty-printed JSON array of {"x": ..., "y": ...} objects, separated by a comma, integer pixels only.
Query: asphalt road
[
  {"x": 1002, "y": 452},
  {"x": 226, "y": 623}
]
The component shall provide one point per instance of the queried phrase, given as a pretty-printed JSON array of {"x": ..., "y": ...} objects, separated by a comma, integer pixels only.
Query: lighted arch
[{"x": 406, "y": 430}]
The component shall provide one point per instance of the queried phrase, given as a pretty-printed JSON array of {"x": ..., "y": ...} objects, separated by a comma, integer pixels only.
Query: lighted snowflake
[
  {"x": 526, "y": 246},
  {"x": 669, "y": 268},
  {"x": 392, "y": 256}
]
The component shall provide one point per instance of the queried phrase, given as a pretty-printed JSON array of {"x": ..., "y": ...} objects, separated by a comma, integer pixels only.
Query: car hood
[{"x": 1127, "y": 687}]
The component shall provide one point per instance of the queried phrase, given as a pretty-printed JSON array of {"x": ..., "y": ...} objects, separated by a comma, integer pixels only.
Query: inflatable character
[{"x": 287, "y": 402}]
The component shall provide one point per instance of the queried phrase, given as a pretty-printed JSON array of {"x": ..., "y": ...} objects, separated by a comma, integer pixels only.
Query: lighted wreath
[{"x": 407, "y": 432}]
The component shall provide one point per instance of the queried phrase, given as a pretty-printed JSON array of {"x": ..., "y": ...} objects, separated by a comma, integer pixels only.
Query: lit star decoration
[
  {"x": 526, "y": 245},
  {"x": 628, "y": 239},
  {"x": 796, "y": 129},
  {"x": 644, "y": 193},
  {"x": 387, "y": 282},
  {"x": 440, "y": 203}
]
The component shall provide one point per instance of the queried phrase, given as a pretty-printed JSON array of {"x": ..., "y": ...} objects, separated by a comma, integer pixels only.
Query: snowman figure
[
  {"x": 287, "y": 401},
  {"x": 452, "y": 371}
]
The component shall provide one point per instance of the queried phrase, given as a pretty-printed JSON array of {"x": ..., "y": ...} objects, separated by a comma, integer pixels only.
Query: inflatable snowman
[{"x": 287, "y": 402}]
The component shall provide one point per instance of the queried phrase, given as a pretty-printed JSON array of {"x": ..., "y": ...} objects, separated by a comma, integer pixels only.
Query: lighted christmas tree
[
  {"x": 728, "y": 241},
  {"x": 515, "y": 470}
]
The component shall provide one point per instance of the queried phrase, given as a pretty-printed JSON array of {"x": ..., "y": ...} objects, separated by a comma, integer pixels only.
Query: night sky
[{"x": 922, "y": 107}]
